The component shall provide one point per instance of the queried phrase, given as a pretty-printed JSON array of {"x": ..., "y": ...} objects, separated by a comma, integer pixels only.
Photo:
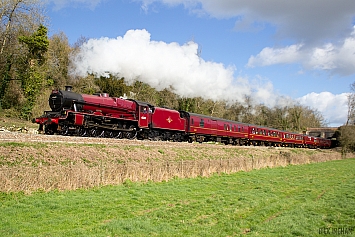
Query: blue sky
[{"x": 270, "y": 50}]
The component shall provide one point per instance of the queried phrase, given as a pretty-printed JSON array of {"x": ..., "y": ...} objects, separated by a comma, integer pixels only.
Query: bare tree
[
  {"x": 351, "y": 106},
  {"x": 19, "y": 16},
  {"x": 58, "y": 60}
]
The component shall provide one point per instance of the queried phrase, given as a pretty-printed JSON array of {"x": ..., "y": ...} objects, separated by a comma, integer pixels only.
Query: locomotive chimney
[{"x": 68, "y": 88}]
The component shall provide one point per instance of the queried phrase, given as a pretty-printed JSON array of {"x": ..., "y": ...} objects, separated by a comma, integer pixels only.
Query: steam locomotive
[{"x": 100, "y": 115}]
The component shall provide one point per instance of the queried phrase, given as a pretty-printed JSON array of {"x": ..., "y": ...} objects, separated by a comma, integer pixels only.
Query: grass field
[{"x": 286, "y": 201}]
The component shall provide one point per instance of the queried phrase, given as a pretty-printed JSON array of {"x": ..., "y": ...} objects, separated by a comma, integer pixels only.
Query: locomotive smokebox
[{"x": 68, "y": 88}]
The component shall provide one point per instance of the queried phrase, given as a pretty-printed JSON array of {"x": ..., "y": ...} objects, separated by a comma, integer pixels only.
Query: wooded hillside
[{"x": 32, "y": 64}]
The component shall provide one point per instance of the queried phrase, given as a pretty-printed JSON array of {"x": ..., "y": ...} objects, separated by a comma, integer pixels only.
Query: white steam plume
[{"x": 161, "y": 65}]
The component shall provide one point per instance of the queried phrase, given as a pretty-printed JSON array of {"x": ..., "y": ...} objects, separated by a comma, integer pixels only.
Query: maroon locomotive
[
  {"x": 94, "y": 115},
  {"x": 102, "y": 116}
]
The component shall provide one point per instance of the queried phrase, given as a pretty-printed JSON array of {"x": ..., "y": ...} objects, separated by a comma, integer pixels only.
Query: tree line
[
  {"x": 32, "y": 64},
  {"x": 346, "y": 133}
]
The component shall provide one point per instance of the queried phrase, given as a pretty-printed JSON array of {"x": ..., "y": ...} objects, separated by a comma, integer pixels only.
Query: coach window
[
  {"x": 192, "y": 121},
  {"x": 202, "y": 123}
]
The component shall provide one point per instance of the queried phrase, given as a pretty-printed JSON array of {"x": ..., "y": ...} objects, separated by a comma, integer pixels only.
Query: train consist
[{"x": 102, "y": 116}]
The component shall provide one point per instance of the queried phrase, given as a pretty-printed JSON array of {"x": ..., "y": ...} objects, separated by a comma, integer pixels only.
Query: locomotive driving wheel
[
  {"x": 82, "y": 132},
  {"x": 64, "y": 130},
  {"x": 100, "y": 133},
  {"x": 116, "y": 133},
  {"x": 108, "y": 134},
  {"x": 92, "y": 132},
  {"x": 50, "y": 129},
  {"x": 131, "y": 134}
]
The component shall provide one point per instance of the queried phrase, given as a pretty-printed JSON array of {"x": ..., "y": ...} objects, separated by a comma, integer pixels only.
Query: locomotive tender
[{"x": 102, "y": 116}]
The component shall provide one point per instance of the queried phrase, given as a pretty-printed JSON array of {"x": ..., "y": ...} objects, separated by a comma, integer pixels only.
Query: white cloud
[
  {"x": 269, "y": 56},
  {"x": 334, "y": 108},
  {"x": 339, "y": 59},
  {"x": 164, "y": 65},
  {"x": 304, "y": 20}
]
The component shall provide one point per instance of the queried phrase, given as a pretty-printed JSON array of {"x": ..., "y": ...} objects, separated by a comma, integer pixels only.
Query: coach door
[
  {"x": 144, "y": 116},
  {"x": 214, "y": 128}
]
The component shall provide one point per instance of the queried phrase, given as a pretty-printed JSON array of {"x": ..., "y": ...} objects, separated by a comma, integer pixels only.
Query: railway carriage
[
  {"x": 265, "y": 136},
  {"x": 310, "y": 141},
  {"x": 165, "y": 124},
  {"x": 205, "y": 128},
  {"x": 325, "y": 143},
  {"x": 292, "y": 139}
]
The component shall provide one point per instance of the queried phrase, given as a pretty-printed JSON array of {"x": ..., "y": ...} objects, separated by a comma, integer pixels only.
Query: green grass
[{"x": 290, "y": 201}]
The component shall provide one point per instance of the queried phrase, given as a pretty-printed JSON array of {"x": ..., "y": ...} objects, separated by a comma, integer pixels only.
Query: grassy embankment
[
  {"x": 283, "y": 201},
  {"x": 29, "y": 166}
]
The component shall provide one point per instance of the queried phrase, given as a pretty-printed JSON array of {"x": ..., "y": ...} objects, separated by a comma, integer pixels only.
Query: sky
[{"x": 274, "y": 51}]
